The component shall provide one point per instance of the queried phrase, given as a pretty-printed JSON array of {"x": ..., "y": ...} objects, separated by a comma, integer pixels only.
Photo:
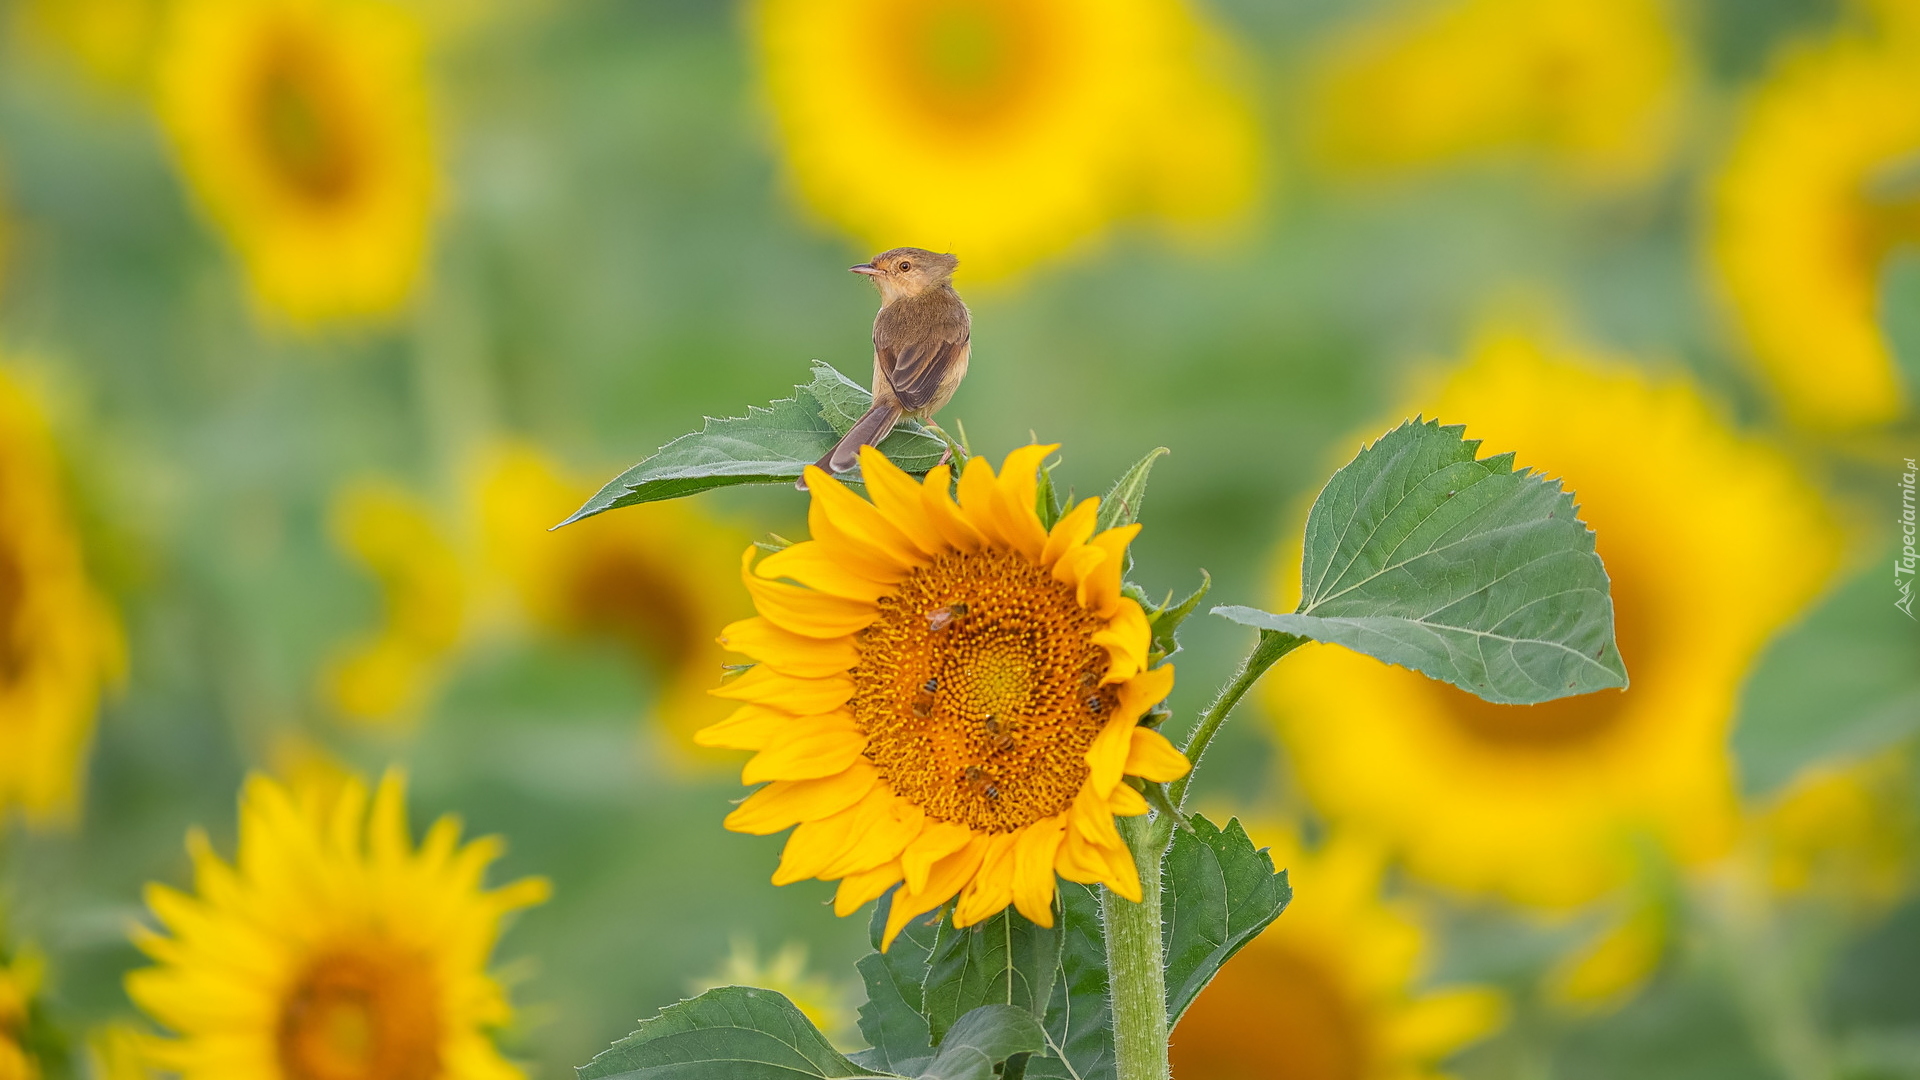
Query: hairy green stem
[
  {"x": 1136, "y": 967},
  {"x": 1266, "y": 652},
  {"x": 1136, "y": 962}
]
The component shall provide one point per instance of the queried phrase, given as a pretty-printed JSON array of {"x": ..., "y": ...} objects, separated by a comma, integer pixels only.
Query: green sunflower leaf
[
  {"x": 1005, "y": 960},
  {"x": 1079, "y": 1019},
  {"x": 983, "y": 1039},
  {"x": 1122, "y": 504},
  {"x": 1465, "y": 570},
  {"x": 1842, "y": 684},
  {"x": 769, "y": 445},
  {"x": 730, "y": 1033},
  {"x": 1220, "y": 892},
  {"x": 891, "y": 1020}
]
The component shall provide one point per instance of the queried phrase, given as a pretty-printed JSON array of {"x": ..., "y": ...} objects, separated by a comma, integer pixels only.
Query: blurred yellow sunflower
[
  {"x": 111, "y": 41},
  {"x": 331, "y": 949},
  {"x": 1006, "y": 130},
  {"x": 1712, "y": 540},
  {"x": 19, "y": 983},
  {"x": 785, "y": 972},
  {"x": 118, "y": 1051},
  {"x": 302, "y": 127},
  {"x": 1821, "y": 184},
  {"x": 949, "y": 697},
  {"x": 1328, "y": 992},
  {"x": 387, "y": 677},
  {"x": 656, "y": 578},
  {"x": 1593, "y": 87},
  {"x": 1842, "y": 832},
  {"x": 59, "y": 641}
]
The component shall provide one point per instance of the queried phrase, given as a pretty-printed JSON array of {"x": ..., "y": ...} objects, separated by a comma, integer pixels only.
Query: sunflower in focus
[
  {"x": 302, "y": 128},
  {"x": 949, "y": 696},
  {"x": 1543, "y": 804},
  {"x": 1008, "y": 129},
  {"x": 1593, "y": 87},
  {"x": 332, "y": 948},
  {"x": 1822, "y": 184},
  {"x": 654, "y": 578},
  {"x": 386, "y": 677},
  {"x": 60, "y": 644},
  {"x": 1328, "y": 991}
]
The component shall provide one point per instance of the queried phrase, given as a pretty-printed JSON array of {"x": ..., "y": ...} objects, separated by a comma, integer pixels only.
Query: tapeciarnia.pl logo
[{"x": 1903, "y": 564}]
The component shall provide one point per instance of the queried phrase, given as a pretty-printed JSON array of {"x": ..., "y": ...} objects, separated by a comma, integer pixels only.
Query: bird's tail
[{"x": 869, "y": 430}]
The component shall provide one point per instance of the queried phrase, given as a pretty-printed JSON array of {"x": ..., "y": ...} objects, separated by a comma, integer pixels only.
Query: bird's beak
[{"x": 867, "y": 268}]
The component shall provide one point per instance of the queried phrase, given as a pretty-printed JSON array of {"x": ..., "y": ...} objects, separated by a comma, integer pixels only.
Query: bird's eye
[{"x": 905, "y": 266}]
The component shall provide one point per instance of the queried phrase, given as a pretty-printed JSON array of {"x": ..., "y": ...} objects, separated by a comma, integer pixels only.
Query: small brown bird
[{"x": 921, "y": 341}]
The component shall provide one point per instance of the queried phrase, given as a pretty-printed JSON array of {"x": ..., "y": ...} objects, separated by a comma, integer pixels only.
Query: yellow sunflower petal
[
  {"x": 806, "y": 753},
  {"x": 750, "y": 727},
  {"x": 814, "y": 844},
  {"x": 1122, "y": 876},
  {"x": 1033, "y": 887},
  {"x": 939, "y": 840},
  {"x": 1071, "y": 531},
  {"x": 883, "y": 833},
  {"x": 1145, "y": 690},
  {"x": 1126, "y": 802},
  {"x": 824, "y": 568},
  {"x": 1152, "y": 757},
  {"x": 783, "y": 804},
  {"x": 1100, "y": 588},
  {"x": 898, "y": 497},
  {"x": 936, "y": 500},
  {"x": 1014, "y": 505},
  {"x": 804, "y": 611},
  {"x": 845, "y": 520},
  {"x": 1126, "y": 640},
  {"x": 1107, "y": 760},
  {"x": 1074, "y": 566},
  {"x": 857, "y": 889},
  {"x": 1080, "y": 859},
  {"x": 787, "y": 652},
  {"x": 992, "y": 886},
  {"x": 802, "y": 697},
  {"x": 946, "y": 878},
  {"x": 1092, "y": 820},
  {"x": 975, "y": 490}
]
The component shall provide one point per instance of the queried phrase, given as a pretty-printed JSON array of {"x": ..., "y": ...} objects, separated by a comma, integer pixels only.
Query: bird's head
[{"x": 907, "y": 271}]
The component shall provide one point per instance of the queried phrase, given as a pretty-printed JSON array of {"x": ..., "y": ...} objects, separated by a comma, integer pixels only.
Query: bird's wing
[{"x": 916, "y": 369}]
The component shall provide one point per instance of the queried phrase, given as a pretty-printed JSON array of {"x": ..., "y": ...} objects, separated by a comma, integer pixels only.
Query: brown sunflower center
[
  {"x": 368, "y": 1011},
  {"x": 966, "y": 60},
  {"x": 1271, "y": 1014},
  {"x": 624, "y": 594},
  {"x": 978, "y": 691},
  {"x": 1570, "y": 721},
  {"x": 13, "y": 597},
  {"x": 299, "y": 122}
]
